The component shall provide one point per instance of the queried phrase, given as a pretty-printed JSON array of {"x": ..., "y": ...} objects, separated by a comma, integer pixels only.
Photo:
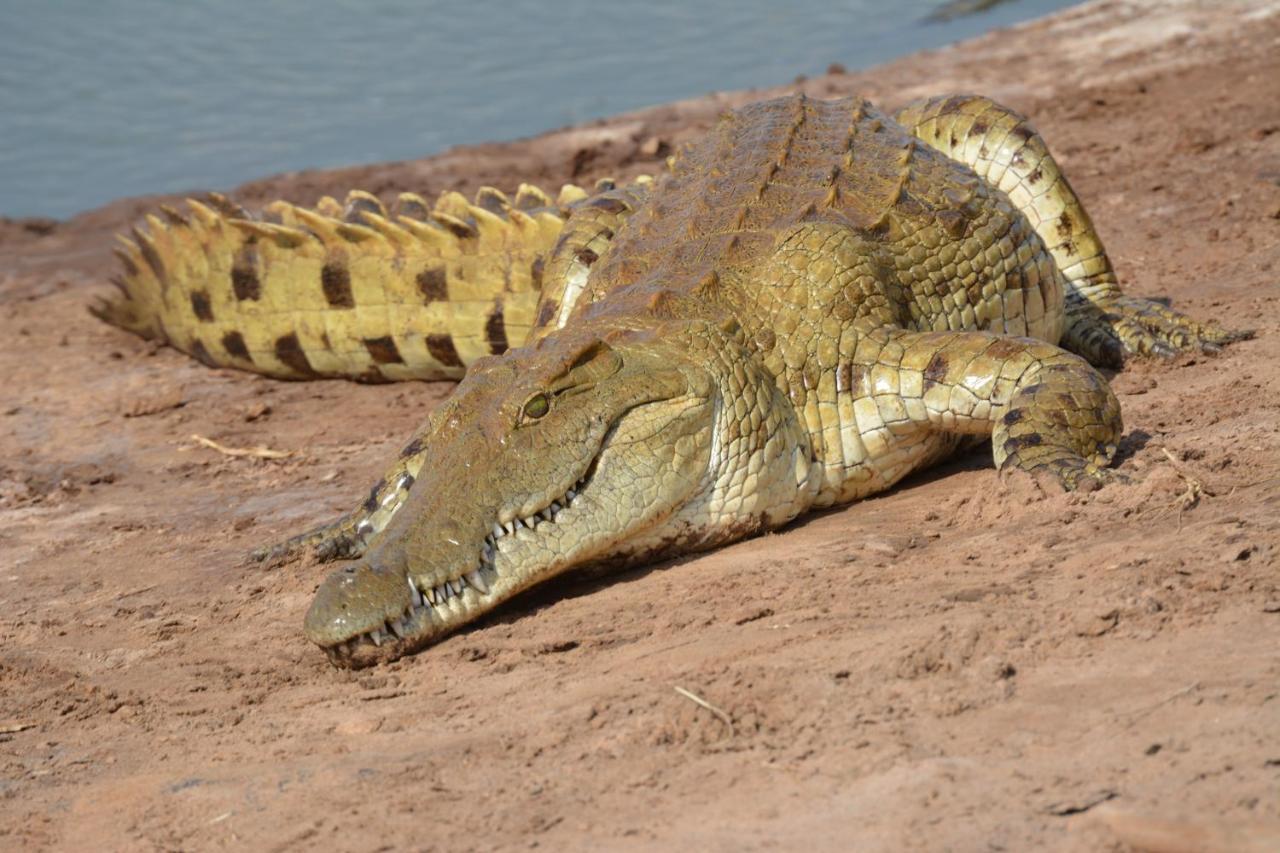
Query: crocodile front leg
[{"x": 1047, "y": 411}]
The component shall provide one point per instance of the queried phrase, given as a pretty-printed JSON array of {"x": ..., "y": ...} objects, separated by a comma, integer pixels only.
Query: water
[{"x": 106, "y": 98}]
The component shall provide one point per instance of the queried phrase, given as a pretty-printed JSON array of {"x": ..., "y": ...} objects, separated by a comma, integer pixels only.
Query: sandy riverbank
[{"x": 955, "y": 665}]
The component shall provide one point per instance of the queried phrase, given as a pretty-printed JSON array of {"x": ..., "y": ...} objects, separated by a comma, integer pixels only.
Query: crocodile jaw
[
  {"x": 380, "y": 608},
  {"x": 678, "y": 440}
]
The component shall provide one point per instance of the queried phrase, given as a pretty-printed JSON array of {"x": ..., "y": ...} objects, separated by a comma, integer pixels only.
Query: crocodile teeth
[
  {"x": 498, "y": 531},
  {"x": 456, "y": 586},
  {"x": 545, "y": 512},
  {"x": 474, "y": 579},
  {"x": 399, "y": 627},
  {"x": 377, "y": 635},
  {"x": 414, "y": 594},
  {"x": 571, "y": 494}
]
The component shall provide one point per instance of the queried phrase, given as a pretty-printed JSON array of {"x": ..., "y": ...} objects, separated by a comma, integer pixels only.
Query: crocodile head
[{"x": 582, "y": 448}]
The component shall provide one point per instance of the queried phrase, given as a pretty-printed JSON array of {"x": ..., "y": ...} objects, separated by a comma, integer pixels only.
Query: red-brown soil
[{"x": 959, "y": 664}]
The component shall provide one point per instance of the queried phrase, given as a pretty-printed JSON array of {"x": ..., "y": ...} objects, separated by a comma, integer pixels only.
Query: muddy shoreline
[{"x": 959, "y": 664}]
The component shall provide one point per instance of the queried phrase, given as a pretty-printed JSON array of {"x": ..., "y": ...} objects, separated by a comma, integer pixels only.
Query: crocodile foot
[
  {"x": 1106, "y": 333},
  {"x": 1071, "y": 474},
  {"x": 337, "y": 541}
]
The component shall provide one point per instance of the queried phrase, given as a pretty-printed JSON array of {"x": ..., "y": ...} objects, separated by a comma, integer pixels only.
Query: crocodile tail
[
  {"x": 1002, "y": 147},
  {"x": 349, "y": 290}
]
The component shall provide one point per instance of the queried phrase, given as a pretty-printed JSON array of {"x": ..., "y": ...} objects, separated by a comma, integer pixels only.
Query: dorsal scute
[
  {"x": 452, "y": 203},
  {"x": 529, "y": 198},
  {"x": 359, "y": 203},
  {"x": 493, "y": 200},
  {"x": 412, "y": 206}
]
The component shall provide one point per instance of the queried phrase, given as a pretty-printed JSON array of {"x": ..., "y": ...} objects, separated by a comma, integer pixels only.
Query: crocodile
[{"x": 814, "y": 300}]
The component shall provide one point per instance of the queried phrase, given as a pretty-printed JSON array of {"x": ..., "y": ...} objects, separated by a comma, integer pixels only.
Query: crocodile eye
[{"x": 537, "y": 406}]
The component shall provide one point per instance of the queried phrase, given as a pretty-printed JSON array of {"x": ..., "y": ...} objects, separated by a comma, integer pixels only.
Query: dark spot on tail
[
  {"x": 336, "y": 282},
  {"x": 1013, "y": 416},
  {"x": 535, "y": 273},
  {"x": 244, "y": 275},
  {"x": 547, "y": 312},
  {"x": 442, "y": 350},
  {"x": 1016, "y": 443},
  {"x": 371, "y": 502},
  {"x": 245, "y": 284},
  {"x": 1065, "y": 224},
  {"x": 413, "y": 448},
  {"x": 201, "y": 354},
  {"x": 290, "y": 353},
  {"x": 1022, "y": 132},
  {"x": 1035, "y": 176},
  {"x": 383, "y": 350},
  {"x": 200, "y": 305},
  {"x": 433, "y": 284},
  {"x": 495, "y": 330},
  {"x": 979, "y": 127},
  {"x": 586, "y": 256},
  {"x": 233, "y": 343},
  {"x": 935, "y": 371}
]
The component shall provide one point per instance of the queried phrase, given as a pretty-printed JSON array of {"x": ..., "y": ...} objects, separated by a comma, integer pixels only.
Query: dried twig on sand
[
  {"x": 1195, "y": 488},
  {"x": 720, "y": 713},
  {"x": 256, "y": 452}
]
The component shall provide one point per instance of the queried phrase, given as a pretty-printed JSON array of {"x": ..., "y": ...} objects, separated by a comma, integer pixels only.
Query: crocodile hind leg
[
  {"x": 1048, "y": 412},
  {"x": 1001, "y": 146}
]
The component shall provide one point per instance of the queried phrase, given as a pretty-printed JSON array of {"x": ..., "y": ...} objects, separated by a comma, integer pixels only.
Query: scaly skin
[
  {"x": 342, "y": 291},
  {"x": 814, "y": 302}
]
